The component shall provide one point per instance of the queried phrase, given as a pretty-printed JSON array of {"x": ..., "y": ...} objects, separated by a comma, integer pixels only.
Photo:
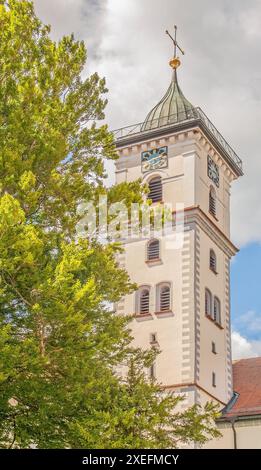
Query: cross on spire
[{"x": 175, "y": 62}]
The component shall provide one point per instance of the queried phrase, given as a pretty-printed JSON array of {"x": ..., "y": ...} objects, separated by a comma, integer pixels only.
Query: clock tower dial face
[
  {"x": 213, "y": 171},
  {"x": 154, "y": 159}
]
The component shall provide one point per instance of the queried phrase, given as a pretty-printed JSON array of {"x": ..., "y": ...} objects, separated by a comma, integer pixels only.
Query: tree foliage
[{"x": 61, "y": 346}]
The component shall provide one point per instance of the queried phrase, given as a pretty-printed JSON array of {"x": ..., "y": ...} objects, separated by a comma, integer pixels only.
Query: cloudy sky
[{"x": 221, "y": 73}]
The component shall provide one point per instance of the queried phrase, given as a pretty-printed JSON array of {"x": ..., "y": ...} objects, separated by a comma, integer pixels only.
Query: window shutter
[
  {"x": 153, "y": 250},
  {"x": 144, "y": 301},
  {"x": 155, "y": 190},
  {"x": 212, "y": 202},
  {"x": 212, "y": 261},
  {"x": 217, "y": 311},
  {"x": 208, "y": 309},
  {"x": 164, "y": 299}
]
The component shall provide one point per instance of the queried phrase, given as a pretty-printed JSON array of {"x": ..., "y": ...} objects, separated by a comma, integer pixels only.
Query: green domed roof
[{"x": 171, "y": 109}]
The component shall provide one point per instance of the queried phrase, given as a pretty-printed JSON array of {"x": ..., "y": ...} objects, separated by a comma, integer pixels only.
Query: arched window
[
  {"x": 213, "y": 261},
  {"x": 143, "y": 301},
  {"x": 164, "y": 298},
  {"x": 212, "y": 201},
  {"x": 208, "y": 303},
  {"x": 155, "y": 189},
  {"x": 217, "y": 311},
  {"x": 153, "y": 250}
]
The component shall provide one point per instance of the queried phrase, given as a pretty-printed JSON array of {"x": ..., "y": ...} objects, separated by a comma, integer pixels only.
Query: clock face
[
  {"x": 213, "y": 171},
  {"x": 154, "y": 159}
]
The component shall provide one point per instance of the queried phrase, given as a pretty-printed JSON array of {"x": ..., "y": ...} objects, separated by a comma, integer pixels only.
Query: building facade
[
  {"x": 182, "y": 305},
  {"x": 240, "y": 422}
]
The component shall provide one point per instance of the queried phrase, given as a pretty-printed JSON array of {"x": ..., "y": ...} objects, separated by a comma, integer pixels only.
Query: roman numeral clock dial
[
  {"x": 154, "y": 159},
  {"x": 213, "y": 171}
]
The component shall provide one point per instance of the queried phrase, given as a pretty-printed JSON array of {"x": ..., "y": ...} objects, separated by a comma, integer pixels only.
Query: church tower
[{"x": 182, "y": 305}]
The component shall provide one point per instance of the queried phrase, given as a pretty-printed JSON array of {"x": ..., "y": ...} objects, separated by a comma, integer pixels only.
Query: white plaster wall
[
  {"x": 170, "y": 329},
  {"x": 209, "y": 331},
  {"x": 248, "y": 435},
  {"x": 185, "y": 336},
  {"x": 222, "y": 192},
  {"x": 178, "y": 179}
]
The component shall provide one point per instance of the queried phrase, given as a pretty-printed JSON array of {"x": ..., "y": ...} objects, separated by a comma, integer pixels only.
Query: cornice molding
[
  {"x": 194, "y": 215},
  {"x": 197, "y": 215},
  {"x": 206, "y": 138},
  {"x": 192, "y": 384}
]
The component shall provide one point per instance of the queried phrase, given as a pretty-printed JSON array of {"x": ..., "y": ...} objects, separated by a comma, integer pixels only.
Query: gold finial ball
[{"x": 175, "y": 62}]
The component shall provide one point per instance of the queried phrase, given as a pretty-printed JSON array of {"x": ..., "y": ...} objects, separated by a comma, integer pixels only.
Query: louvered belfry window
[
  {"x": 144, "y": 301},
  {"x": 155, "y": 189},
  {"x": 153, "y": 250},
  {"x": 164, "y": 298},
  {"x": 208, "y": 303},
  {"x": 217, "y": 311},
  {"x": 212, "y": 201},
  {"x": 213, "y": 261}
]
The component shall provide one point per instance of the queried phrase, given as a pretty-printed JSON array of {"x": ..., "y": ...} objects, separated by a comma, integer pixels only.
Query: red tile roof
[{"x": 247, "y": 383}]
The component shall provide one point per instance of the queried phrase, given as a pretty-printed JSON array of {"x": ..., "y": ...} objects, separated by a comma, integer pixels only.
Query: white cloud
[
  {"x": 243, "y": 348},
  {"x": 249, "y": 322},
  {"x": 221, "y": 71},
  {"x": 246, "y": 327},
  {"x": 84, "y": 18},
  {"x": 65, "y": 17}
]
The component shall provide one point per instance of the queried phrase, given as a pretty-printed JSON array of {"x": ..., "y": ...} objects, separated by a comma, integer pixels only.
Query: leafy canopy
[{"x": 61, "y": 346}]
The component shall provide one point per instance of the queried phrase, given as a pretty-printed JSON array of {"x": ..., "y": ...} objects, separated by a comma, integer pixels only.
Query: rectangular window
[
  {"x": 152, "y": 371},
  {"x": 153, "y": 338},
  {"x": 214, "y": 379},
  {"x": 214, "y": 348}
]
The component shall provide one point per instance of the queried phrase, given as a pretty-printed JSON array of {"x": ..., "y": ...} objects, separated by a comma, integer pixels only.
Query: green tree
[
  {"x": 143, "y": 416},
  {"x": 61, "y": 346}
]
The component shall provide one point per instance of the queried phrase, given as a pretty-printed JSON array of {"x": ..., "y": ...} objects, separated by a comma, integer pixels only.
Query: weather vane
[{"x": 175, "y": 62}]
